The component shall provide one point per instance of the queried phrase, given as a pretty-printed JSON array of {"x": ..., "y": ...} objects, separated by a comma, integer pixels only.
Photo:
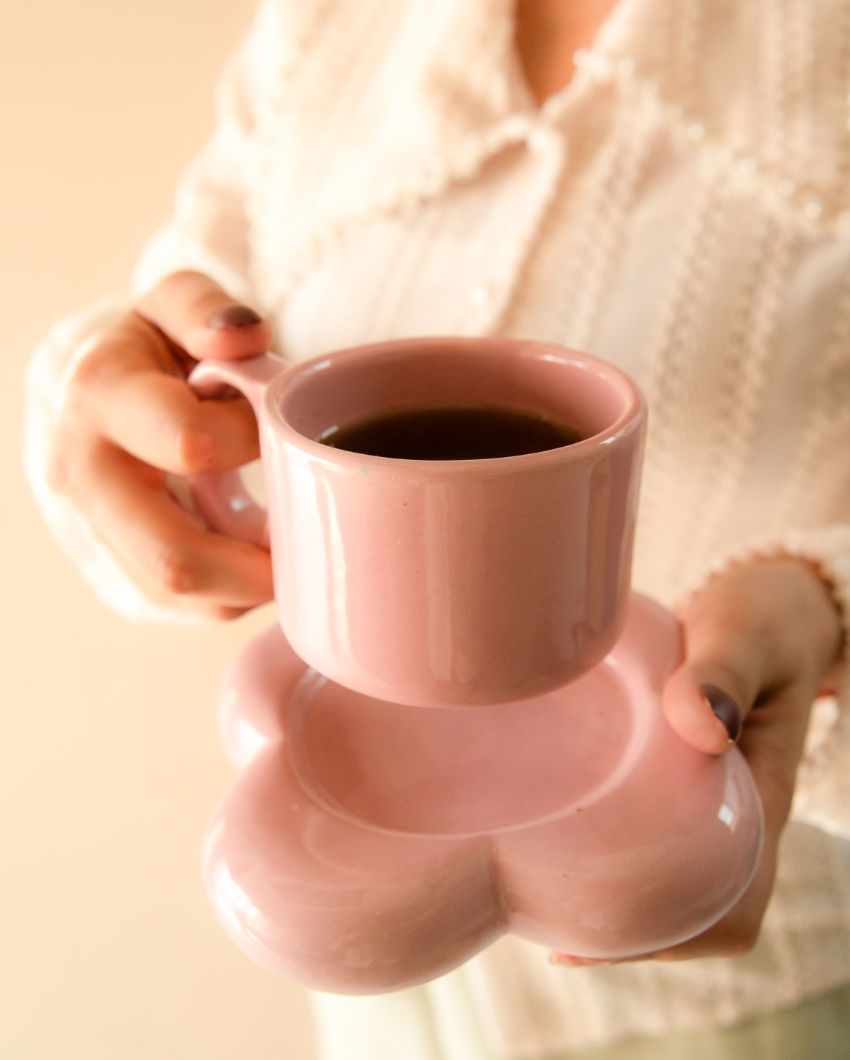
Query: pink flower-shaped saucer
[{"x": 367, "y": 846}]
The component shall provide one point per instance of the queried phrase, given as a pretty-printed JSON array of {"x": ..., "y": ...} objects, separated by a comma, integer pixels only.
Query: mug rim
[{"x": 629, "y": 420}]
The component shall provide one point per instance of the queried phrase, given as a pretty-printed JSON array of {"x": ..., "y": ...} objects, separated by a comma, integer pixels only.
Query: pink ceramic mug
[{"x": 440, "y": 583}]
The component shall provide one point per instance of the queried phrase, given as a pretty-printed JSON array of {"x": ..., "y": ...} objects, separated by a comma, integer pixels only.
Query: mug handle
[{"x": 221, "y": 496}]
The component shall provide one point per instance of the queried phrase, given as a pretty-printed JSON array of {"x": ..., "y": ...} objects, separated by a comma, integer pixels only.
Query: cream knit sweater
[{"x": 682, "y": 209}]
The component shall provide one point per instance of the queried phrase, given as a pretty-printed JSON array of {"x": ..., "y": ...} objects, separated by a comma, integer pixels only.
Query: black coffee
[{"x": 452, "y": 433}]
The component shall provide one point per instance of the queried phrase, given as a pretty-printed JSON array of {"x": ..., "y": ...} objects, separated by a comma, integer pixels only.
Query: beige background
[{"x": 109, "y": 759}]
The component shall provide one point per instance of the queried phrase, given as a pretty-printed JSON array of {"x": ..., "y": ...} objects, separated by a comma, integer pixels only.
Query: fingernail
[
  {"x": 233, "y": 316},
  {"x": 724, "y": 708}
]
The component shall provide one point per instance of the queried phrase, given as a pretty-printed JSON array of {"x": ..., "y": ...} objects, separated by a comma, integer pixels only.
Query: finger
[
  {"x": 129, "y": 345},
  {"x": 159, "y": 419},
  {"x": 773, "y": 744},
  {"x": 163, "y": 547},
  {"x": 702, "y": 702},
  {"x": 735, "y": 934},
  {"x": 134, "y": 391},
  {"x": 203, "y": 319},
  {"x": 728, "y": 663},
  {"x": 568, "y": 960}
]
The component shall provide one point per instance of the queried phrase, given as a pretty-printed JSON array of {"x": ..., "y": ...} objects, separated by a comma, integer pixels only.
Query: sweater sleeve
[
  {"x": 822, "y": 794},
  {"x": 207, "y": 232}
]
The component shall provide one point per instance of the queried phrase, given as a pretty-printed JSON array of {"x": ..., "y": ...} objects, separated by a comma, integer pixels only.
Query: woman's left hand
[{"x": 762, "y": 640}]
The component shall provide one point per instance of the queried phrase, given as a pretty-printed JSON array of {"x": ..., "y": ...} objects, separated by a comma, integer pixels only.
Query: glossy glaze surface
[
  {"x": 365, "y": 847},
  {"x": 442, "y": 582}
]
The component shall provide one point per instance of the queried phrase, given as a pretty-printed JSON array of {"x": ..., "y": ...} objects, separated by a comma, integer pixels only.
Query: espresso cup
[{"x": 440, "y": 582}]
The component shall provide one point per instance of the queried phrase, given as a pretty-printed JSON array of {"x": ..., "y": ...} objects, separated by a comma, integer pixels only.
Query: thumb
[
  {"x": 705, "y": 713},
  {"x": 203, "y": 319},
  {"x": 708, "y": 698}
]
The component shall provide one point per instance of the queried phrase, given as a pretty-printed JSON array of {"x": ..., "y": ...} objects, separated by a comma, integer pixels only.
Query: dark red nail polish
[
  {"x": 233, "y": 316},
  {"x": 725, "y": 708}
]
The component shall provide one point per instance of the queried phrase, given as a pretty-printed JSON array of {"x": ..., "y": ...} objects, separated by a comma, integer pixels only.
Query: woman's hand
[
  {"x": 131, "y": 418},
  {"x": 761, "y": 640}
]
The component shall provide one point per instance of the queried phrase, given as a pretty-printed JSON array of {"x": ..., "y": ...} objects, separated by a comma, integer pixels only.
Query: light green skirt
[
  {"x": 814, "y": 1030},
  {"x": 401, "y": 1026}
]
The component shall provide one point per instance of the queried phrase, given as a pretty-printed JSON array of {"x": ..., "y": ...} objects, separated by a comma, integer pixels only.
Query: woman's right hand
[{"x": 131, "y": 418}]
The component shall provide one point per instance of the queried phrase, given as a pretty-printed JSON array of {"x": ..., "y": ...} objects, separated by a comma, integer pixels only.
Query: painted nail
[
  {"x": 724, "y": 707},
  {"x": 233, "y": 316}
]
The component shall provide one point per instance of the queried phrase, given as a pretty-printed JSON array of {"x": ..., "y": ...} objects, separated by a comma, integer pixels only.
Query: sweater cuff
[
  {"x": 822, "y": 794},
  {"x": 48, "y": 376}
]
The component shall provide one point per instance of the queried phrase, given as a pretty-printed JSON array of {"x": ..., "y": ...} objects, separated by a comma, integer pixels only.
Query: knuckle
[
  {"x": 129, "y": 340},
  {"x": 177, "y": 281},
  {"x": 188, "y": 288},
  {"x": 175, "y": 570},
  {"x": 89, "y": 370},
  {"x": 173, "y": 286},
  {"x": 194, "y": 449},
  {"x": 765, "y": 641}
]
